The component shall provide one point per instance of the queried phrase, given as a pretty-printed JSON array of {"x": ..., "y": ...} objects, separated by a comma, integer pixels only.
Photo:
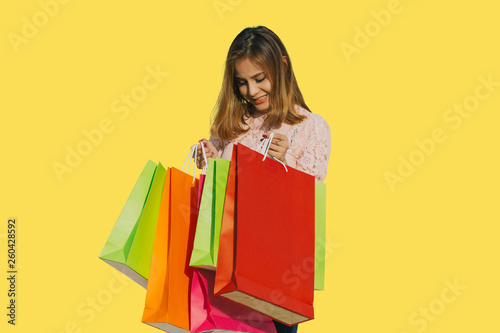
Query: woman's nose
[{"x": 252, "y": 89}]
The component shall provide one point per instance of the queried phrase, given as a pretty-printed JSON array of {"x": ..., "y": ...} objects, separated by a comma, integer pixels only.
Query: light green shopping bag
[
  {"x": 130, "y": 244},
  {"x": 320, "y": 236},
  {"x": 206, "y": 241}
]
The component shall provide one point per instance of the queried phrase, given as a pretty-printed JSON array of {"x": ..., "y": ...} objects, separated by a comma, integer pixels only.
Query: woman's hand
[
  {"x": 279, "y": 146},
  {"x": 210, "y": 152}
]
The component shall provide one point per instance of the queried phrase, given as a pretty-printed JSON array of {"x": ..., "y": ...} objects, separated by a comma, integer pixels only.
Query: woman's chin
[{"x": 262, "y": 108}]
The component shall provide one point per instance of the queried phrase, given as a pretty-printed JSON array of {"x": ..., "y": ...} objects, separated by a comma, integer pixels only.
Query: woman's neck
[{"x": 254, "y": 113}]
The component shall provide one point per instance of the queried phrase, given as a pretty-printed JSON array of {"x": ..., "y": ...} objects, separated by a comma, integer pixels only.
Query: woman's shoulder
[{"x": 312, "y": 119}]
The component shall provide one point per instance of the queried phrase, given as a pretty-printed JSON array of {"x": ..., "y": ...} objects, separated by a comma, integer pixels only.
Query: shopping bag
[
  {"x": 201, "y": 182},
  {"x": 206, "y": 241},
  {"x": 130, "y": 243},
  {"x": 267, "y": 242},
  {"x": 167, "y": 296},
  {"x": 320, "y": 236},
  {"x": 210, "y": 313},
  {"x": 221, "y": 175}
]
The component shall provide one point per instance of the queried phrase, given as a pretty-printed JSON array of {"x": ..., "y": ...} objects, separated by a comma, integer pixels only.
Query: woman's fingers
[
  {"x": 279, "y": 139},
  {"x": 200, "y": 161},
  {"x": 210, "y": 147},
  {"x": 278, "y": 155},
  {"x": 278, "y": 147},
  {"x": 210, "y": 152}
]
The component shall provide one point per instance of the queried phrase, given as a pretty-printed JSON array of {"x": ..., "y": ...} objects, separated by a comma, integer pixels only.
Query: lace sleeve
[
  {"x": 219, "y": 145},
  {"x": 315, "y": 151}
]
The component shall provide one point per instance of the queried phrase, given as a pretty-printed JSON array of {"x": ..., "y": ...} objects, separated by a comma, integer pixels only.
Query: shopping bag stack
[{"x": 231, "y": 252}]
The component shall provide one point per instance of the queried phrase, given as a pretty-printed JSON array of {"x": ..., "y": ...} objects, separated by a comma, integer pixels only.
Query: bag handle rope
[
  {"x": 192, "y": 151},
  {"x": 264, "y": 148}
]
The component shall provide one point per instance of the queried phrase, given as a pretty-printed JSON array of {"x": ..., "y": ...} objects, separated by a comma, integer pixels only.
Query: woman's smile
[{"x": 261, "y": 99}]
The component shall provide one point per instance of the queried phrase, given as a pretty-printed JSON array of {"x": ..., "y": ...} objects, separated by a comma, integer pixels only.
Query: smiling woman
[
  {"x": 256, "y": 88},
  {"x": 260, "y": 96}
]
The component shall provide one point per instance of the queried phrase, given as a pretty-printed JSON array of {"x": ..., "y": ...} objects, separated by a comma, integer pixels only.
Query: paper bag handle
[
  {"x": 192, "y": 151},
  {"x": 264, "y": 148}
]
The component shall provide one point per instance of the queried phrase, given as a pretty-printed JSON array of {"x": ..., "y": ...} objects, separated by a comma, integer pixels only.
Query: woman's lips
[{"x": 261, "y": 100}]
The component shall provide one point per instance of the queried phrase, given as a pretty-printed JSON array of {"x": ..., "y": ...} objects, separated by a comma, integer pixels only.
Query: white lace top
[{"x": 309, "y": 141}]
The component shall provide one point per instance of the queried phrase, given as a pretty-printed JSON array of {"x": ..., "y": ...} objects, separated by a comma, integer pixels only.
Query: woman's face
[{"x": 253, "y": 83}]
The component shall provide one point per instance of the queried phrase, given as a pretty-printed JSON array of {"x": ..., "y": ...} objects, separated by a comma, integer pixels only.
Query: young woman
[{"x": 260, "y": 96}]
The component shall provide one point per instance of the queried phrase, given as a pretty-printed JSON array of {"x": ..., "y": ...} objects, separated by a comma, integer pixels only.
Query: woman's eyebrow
[{"x": 253, "y": 77}]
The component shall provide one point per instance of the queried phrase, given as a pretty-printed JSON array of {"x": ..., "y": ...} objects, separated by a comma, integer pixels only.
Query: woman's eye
[{"x": 242, "y": 83}]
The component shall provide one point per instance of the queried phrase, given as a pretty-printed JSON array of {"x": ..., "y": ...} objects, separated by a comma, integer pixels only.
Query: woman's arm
[{"x": 315, "y": 142}]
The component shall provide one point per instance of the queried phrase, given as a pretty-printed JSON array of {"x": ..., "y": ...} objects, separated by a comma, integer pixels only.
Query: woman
[{"x": 260, "y": 96}]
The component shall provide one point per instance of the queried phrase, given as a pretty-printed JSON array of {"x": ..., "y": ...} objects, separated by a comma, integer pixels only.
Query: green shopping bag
[
  {"x": 320, "y": 236},
  {"x": 206, "y": 241},
  {"x": 130, "y": 244}
]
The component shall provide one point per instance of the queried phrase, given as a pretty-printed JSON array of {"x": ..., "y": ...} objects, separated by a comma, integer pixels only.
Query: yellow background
[{"x": 392, "y": 251}]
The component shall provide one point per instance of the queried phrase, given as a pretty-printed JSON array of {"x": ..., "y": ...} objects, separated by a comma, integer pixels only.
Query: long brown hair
[{"x": 263, "y": 47}]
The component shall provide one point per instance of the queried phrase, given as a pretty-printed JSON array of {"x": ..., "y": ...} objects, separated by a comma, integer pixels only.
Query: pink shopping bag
[{"x": 213, "y": 313}]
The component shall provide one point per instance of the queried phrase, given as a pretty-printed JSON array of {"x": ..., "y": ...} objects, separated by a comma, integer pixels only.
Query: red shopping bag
[
  {"x": 266, "y": 250},
  {"x": 211, "y": 313},
  {"x": 170, "y": 278}
]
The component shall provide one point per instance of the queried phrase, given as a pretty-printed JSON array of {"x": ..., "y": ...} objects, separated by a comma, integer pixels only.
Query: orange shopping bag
[{"x": 170, "y": 277}]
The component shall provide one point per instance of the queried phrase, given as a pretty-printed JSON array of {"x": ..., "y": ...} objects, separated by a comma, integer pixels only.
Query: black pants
[{"x": 282, "y": 328}]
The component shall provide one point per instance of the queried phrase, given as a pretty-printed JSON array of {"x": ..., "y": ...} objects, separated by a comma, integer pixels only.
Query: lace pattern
[{"x": 309, "y": 142}]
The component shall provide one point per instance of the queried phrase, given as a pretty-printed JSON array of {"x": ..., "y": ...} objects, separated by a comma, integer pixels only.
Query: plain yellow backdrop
[{"x": 410, "y": 89}]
